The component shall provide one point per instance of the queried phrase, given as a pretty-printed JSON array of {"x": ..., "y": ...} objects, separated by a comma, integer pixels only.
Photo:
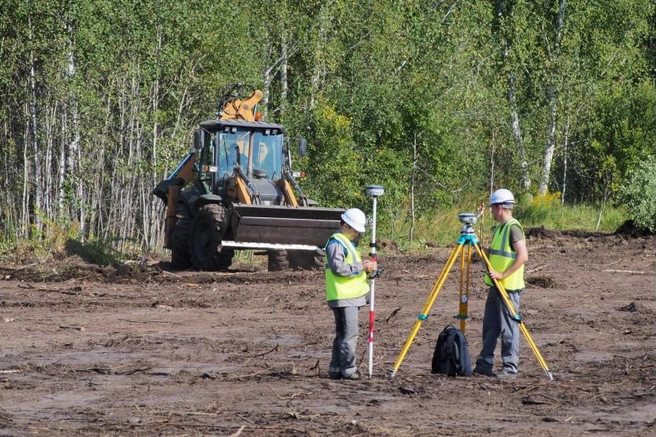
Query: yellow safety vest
[
  {"x": 502, "y": 255},
  {"x": 346, "y": 287}
]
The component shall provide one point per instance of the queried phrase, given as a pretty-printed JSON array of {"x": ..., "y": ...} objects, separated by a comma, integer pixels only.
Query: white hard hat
[
  {"x": 355, "y": 219},
  {"x": 502, "y": 196}
]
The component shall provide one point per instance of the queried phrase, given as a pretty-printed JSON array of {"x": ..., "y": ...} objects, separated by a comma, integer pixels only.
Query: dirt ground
[{"x": 142, "y": 350}]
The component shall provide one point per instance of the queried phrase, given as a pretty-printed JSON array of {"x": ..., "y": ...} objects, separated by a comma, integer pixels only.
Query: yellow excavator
[{"x": 235, "y": 190}]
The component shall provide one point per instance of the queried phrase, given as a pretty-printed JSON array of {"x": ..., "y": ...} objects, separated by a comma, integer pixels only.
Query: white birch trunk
[
  {"x": 284, "y": 85},
  {"x": 412, "y": 188},
  {"x": 26, "y": 198},
  {"x": 267, "y": 89},
  {"x": 319, "y": 72},
  {"x": 517, "y": 134},
  {"x": 565, "y": 159},
  {"x": 46, "y": 162},
  {"x": 74, "y": 167},
  {"x": 550, "y": 144},
  {"x": 34, "y": 136},
  {"x": 553, "y": 103}
]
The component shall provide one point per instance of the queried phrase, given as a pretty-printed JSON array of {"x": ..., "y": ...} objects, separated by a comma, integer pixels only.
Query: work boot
[
  {"x": 507, "y": 373},
  {"x": 353, "y": 376},
  {"x": 484, "y": 372},
  {"x": 334, "y": 372}
]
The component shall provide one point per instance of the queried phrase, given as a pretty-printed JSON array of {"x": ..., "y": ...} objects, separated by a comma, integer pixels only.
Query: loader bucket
[{"x": 285, "y": 225}]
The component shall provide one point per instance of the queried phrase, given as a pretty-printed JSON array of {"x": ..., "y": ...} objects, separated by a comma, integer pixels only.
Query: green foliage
[
  {"x": 334, "y": 161},
  {"x": 96, "y": 252},
  {"x": 540, "y": 209},
  {"x": 101, "y": 100},
  {"x": 638, "y": 194},
  {"x": 580, "y": 217},
  {"x": 63, "y": 237},
  {"x": 547, "y": 210}
]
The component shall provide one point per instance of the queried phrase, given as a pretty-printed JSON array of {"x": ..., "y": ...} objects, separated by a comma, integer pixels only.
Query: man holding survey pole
[{"x": 347, "y": 287}]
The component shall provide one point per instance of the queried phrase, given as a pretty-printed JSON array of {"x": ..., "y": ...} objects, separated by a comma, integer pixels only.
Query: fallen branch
[
  {"x": 99, "y": 370},
  {"x": 172, "y": 274},
  {"x": 536, "y": 269},
  {"x": 245, "y": 419},
  {"x": 288, "y": 398},
  {"x": 247, "y": 375},
  {"x": 632, "y": 272},
  {"x": 394, "y": 313},
  {"x": 144, "y": 321},
  {"x": 24, "y": 267},
  {"x": 133, "y": 371},
  {"x": 274, "y": 392},
  {"x": 77, "y": 328},
  {"x": 275, "y": 348},
  {"x": 69, "y": 292},
  {"x": 235, "y": 434}
]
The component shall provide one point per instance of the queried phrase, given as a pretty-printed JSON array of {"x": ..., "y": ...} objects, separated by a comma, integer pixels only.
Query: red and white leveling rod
[{"x": 373, "y": 191}]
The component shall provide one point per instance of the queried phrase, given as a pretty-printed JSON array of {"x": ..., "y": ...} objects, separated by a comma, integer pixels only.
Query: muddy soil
[{"x": 142, "y": 350}]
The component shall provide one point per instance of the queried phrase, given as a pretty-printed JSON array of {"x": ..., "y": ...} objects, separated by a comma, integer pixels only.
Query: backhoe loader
[{"x": 235, "y": 190}]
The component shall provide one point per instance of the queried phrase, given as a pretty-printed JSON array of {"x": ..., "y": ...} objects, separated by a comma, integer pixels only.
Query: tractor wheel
[
  {"x": 305, "y": 260},
  {"x": 277, "y": 260},
  {"x": 206, "y": 253},
  {"x": 180, "y": 256}
]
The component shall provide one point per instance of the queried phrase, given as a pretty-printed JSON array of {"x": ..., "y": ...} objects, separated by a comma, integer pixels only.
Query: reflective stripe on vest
[
  {"x": 502, "y": 255},
  {"x": 345, "y": 287}
]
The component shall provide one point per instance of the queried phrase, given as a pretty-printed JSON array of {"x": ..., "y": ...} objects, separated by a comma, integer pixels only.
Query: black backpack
[{"x": 451, "y": 355}]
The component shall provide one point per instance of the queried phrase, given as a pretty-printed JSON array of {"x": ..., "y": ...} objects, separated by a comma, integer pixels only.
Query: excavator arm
[
  {"x": 183, "y": 173},
  {"x": 169, "y": 190},
  {"x": 234, "y": 106},
  {"x": 288, "y": 186}
]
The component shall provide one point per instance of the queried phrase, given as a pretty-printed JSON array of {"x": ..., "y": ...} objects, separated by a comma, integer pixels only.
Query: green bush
[
  {"x": 542, "y": 209},
  {"x": 639, "y": 194}
]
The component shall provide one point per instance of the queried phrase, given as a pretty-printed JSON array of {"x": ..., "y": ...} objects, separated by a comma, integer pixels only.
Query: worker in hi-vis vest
[
  {"x": 347, "y": 289},
  {"x": 507, "y": 254}
]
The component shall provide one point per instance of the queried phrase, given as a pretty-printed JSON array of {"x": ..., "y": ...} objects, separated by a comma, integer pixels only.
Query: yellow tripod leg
[
  {"x": 517, "y": 317},
  {"x": 425, "y": 310}
]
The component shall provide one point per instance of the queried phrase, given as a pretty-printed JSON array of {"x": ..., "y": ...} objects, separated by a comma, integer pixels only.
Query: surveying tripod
[{"x": 464, "y": 246}]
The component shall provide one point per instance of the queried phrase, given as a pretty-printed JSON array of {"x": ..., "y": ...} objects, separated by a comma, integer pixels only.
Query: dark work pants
[
  {"x": 346, "y": 338},
  {"x": 497, "y": 322}
]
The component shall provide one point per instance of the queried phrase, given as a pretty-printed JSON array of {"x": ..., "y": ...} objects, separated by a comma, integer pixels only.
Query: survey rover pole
[{"x": 373, "y": 191}]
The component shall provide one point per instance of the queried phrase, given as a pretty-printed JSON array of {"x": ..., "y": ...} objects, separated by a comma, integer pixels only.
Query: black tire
[
  {"x": 205, "y": 242},
  {"x": 277, "y": 260},
  {"x": 306, "y": 260},
  {"x": 180, "y": 255}
]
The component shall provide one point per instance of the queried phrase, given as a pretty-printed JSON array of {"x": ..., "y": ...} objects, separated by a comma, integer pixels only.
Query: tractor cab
[{"x": 245, "y": 160}]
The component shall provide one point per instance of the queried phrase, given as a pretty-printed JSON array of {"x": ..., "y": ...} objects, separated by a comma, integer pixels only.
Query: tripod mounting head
[
  {"x": 467, "y": 218},
  {"x": 374, "y": 191}
]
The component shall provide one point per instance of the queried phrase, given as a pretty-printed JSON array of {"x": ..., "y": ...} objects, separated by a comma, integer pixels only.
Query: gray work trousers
[
  {"x": 346, "y": 338},
  {"x": 497, "y": 321}
]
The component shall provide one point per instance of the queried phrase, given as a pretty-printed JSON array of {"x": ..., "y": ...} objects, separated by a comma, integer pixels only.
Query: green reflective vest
[
  {"x": 346, "y": 287},
  {"x": 502, "y": 255}
]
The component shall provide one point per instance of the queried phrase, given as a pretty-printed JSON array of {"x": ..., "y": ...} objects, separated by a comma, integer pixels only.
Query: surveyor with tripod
[
  {"x": 346, "y": 291},
  {"x": 507, "y": 255}
]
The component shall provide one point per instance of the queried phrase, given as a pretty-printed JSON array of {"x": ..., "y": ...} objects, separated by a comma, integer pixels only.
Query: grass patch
[
  {"x": 580, "y": 217},
  {"x": 442, "y": 228},
  {"x": 546, "y": 210}
]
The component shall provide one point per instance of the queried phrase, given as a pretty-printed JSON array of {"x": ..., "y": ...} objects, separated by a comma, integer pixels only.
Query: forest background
[{"x": 438, "y": 101}]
